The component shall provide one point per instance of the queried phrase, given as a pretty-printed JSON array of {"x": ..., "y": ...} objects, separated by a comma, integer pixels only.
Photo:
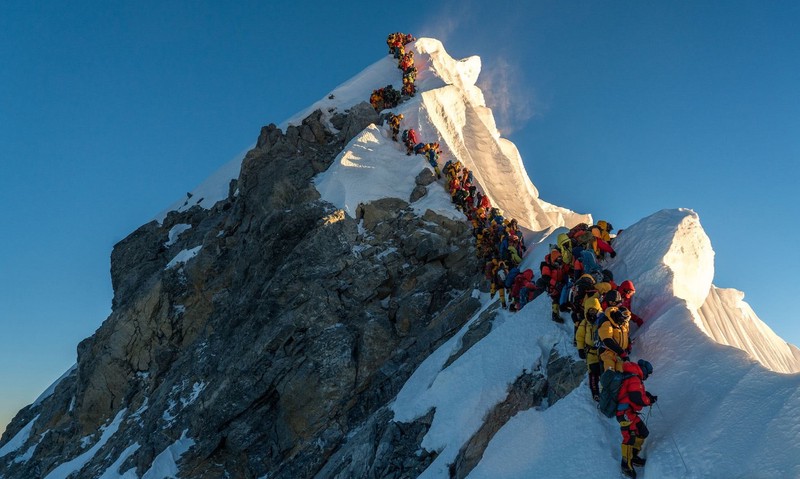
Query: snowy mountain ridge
[
  {"x": 668, "y": 256},
  {"x": 451, "y": 109},
  {"x": 729, "y": 394}
]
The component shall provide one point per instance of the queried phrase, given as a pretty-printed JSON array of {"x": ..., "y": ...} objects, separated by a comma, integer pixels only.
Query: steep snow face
[
  {"x": 670, "y": 251},
  {"x": 670, "y": 248},
  {"x": 448, "y": 109},
  {"x": 719, "y": 414},
  {"x": 728, "y": 319},
  {"x": 371, "y": 167},
  {"x": 467, "y": 127}
]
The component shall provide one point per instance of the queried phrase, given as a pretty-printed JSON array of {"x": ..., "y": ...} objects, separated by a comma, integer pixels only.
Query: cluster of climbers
[
  {"x": 572, "y": 277},
  {"x": 410, "y": 137},
  {"x": 600, "y": 310},
  {"x": 397, "y": 42},
  {"x": 388, "y": 97}
]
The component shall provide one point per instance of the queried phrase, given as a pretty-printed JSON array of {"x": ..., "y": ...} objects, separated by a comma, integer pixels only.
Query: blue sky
[{"x": 111, "y": 111}]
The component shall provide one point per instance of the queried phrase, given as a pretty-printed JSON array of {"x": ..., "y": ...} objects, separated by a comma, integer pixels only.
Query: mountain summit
[{"x": 317, "y": 310}]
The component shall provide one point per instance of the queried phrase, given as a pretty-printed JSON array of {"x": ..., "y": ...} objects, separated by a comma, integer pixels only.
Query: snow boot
[
  {"x": 628, "y": 471},
  {"x": 557, "y": 314},
  {"x": 627, "y": 455},
  {"x": 637, "y": 446}
]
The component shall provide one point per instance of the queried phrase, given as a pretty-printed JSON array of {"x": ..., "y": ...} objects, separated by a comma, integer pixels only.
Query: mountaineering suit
[
  {"x": 631, "y": 399},
  {"x": 585, "y": 342},
  {"x": 554, "y": 275},
  {"x": 613, "y": 333},
  {"x": 496, "y": 273},
  {"x": 626, "y": 290},
  {"x": 394, "y": 124}
]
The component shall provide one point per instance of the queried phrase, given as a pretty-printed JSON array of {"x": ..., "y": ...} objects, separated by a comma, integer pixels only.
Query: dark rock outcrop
[{"x": 288, "y": 330}]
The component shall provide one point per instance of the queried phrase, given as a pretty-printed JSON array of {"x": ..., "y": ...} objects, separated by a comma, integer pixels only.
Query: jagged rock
[
  {"x": 268, "y": 137},
  {"x": 313, "y": 129},
  {"x": 425, "y": 177},
  {"x": 413, "y": 309},
  {"x": 282, "y": 336},
  {"x": 358, "y": 118},
  {"x": 564, "y": 374},
  {"x": 477, "y": 331},
  {"x": 380, "y": 211},
  {"x": 381, "y": 449},
  {"x": 417, "y": 193},
  {"x": 426, "y": 245}
]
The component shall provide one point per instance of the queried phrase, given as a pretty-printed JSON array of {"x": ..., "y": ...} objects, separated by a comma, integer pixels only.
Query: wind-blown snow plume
[{"x": 511, "y": 104}]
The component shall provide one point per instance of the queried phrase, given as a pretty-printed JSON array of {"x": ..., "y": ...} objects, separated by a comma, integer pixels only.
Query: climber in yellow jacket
[
  {"x": 586, "y": 347},
  {"x": 613, "y": 333}
]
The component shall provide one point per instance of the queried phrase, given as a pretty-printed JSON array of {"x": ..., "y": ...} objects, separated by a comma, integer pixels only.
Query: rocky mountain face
[{"x": 274, "y": 350}]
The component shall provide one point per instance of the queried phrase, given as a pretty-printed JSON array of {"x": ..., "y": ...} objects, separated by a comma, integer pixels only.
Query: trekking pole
[{"x": 674, "y": 443}]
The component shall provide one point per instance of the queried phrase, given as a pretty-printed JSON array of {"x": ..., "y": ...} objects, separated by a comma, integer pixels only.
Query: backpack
[
  {"x": 610, "y": 384},
  {"x": 580, "y": 289},
  {"x": 565, "y": 246},
  {"x": 501, "y": 275},
  {"x": 577, "y": 229},
  {"x": 565, "y": 293},
  {"x": 598, "y": 343},
  {"x": 589, "y": 261},
  {"x": 512, "y": 276}
]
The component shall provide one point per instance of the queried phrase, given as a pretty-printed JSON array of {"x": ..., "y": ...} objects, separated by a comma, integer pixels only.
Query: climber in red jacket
[
  {"x": 626, "y": 290},
  {"x": 631, "y": 399}
]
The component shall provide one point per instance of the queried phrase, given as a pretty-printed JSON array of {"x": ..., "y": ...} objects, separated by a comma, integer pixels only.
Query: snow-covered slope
[
  {"x": 448, "y": 109},
  {"x": 720, "y": 412},
  {"x": 728, "y": 319}
]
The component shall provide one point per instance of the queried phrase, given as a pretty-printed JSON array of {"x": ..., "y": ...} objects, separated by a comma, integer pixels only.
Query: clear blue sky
[{"x": 111, "y": 111}]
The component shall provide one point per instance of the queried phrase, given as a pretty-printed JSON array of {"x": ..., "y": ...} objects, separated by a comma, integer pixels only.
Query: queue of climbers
[
  {"x": 388, "y": 97},
  {"x": 570, "y": 274}
]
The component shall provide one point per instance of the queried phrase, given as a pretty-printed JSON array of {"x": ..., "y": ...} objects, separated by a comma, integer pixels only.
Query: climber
[
  {"x": 406, "y": 61},
  {"x": 408, "y": 89},
  {"x": 394, "y": 124},
  {"x": 554, "y": 275},
  {"x": 627, "y": 291},
  {"x": 586, "y": 347},
  {"x": 514, "y": 250},
  {"x": 631, "y": 399},
  {"x": 520, "y": 280},
  {"x": 376, "y": 99},
  {"x": 611, "y": 298},
  {"x": 613, "y": 334},
  {"x": 411, "y": 141},
  {"x": 498, "y": 274},
  {"x": 391, "y": 97},
  {"x": 432, "y": 152},
  {"x": 605, "y": 230},
  {"x": 599, "y": 245},
  {"x": 528, "y": 291}
]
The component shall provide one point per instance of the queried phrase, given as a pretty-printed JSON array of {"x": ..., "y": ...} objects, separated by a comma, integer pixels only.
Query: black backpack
[{"x": 610, "y": 384}]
